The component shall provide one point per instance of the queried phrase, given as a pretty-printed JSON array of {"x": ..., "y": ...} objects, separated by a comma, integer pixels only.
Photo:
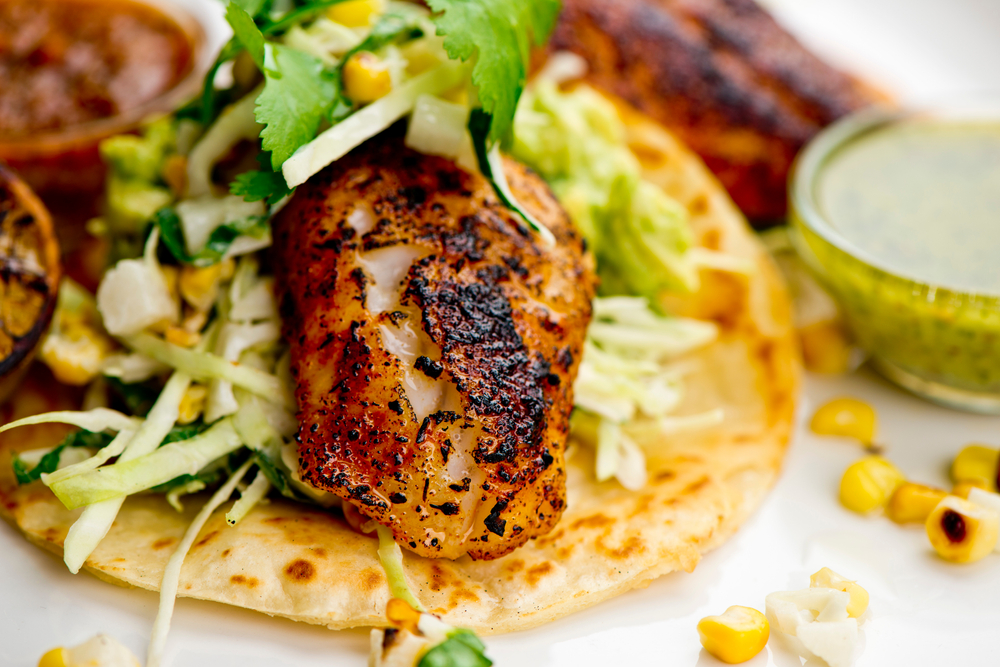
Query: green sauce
[
  {"x": 900, "y": 218},
  {"x": 922, "y": 200}
]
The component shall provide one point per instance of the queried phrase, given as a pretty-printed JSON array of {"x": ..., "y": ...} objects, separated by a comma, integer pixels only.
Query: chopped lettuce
[
  {"x": 205, "y": 366},
  {"x": 95, "y": 522},
  {"x": 249, "y": 498},
  {"x": 145, "y": 472},
  {"x": 172, "y": 572},
  {"x": 640, "y": 236},
  {"x": 221, "y": 229},
  {"x": 391, "y": 557},
  {"x": 134, "y": 294},
  {"x": 628, "y": 385},
  {"x": 96, "y": 420}
]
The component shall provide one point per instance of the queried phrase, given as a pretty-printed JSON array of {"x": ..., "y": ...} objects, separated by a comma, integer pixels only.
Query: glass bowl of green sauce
[{"x": 898, "y": 214}]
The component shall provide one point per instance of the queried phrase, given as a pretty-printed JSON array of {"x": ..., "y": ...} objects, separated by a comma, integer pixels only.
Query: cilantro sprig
[
  {"x": 463, "y": 648},
  {"x": 498, "y": 35},
  {"x": 301, "y": 94},
  {"x": 172, "y": 235}
]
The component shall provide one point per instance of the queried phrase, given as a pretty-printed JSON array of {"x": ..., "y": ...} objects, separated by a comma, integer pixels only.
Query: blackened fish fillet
[{"x": 434, "y": 345}]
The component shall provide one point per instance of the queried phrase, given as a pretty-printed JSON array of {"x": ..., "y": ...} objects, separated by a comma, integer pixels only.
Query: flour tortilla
[{"x": 291, "y": 560}]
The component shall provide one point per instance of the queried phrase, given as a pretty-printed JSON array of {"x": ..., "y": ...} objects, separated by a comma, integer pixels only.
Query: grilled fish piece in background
[
  {"x": 434, "y": 345},
  {"x": 720, "y": 74}
]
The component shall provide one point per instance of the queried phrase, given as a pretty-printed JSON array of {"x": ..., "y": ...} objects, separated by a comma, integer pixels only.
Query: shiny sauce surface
[
  {"x": 67, "y": 62},
  {"x": 921, "y": 199}
]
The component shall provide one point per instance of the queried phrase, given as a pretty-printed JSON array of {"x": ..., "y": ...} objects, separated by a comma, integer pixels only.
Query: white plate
[{"x": 923, "y": 612}]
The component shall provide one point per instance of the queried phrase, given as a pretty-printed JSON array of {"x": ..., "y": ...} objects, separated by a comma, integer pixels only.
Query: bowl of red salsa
[{"x": 75, "y": 72}]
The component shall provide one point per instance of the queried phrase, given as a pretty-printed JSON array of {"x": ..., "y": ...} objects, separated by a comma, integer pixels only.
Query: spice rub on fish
[{"x": 434, "y": 345}]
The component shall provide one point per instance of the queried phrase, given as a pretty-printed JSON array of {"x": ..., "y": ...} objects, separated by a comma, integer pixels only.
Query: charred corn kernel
[
  {"x": 868, "y": 484},
  {"x": 735, "y": 636},
  {"x": 827, "y": 578},
  {"x": 174, "y": 173},
  {"x": 976, "y": 463},
  {"x": 847, "y": 417},
  {"x": 181, "y": 336},
  {"x": 826, "y": 348},
  {"x": 962, "y": 489},
  {"x": 961, "y": 531},
  {"x": 355, "y": 13},
  {"x": 366, "y": 78},
  {"x": 913, "y": 503},
  {"x": 57, "y": 657},
  {"x": 192, "y": 404},
  {"x": 200, "y": 286}
]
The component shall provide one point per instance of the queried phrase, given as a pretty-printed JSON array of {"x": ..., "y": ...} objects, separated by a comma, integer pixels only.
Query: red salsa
[{"x": 67, "y": 62}]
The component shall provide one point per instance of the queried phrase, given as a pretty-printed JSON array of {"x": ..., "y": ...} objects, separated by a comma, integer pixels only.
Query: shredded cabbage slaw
[{"x": 630, "y": 382}]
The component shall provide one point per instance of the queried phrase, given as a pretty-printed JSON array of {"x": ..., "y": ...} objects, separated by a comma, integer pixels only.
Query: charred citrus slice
[{"x": 29, "y": 276}]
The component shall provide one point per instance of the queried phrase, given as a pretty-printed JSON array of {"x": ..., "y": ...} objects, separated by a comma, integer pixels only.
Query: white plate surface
[{"x": 923, "y": 612}]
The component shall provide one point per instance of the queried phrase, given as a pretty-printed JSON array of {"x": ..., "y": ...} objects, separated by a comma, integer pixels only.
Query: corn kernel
[
  {"x": 174, "y": 173},
  {"x": 846, "y": 417},
  {"x": 962, "y": 489},
  {"x": 192, "y": 404},
  {"x": 735, "y": 636},
  {"x": 827, "y": 578},
  {"x": 57, "y": 657},
  {"x": 355, "y": 13},
  {"x": 826, "y": 348},
  {"x": 181, "y": 336},
  {"x": 401, "y": 615},
  {"x": 868, "y": 484},
  {"x": 200, "y": 286},
  {"x": 171, "y": 275},
  {"x": 366, "y": 78},
  {"x": 976, "y": 463},
  {"x": 227, "y": 268},
  {"x": 913, "y": 503},
  {"x": 961, "y": 531},
  {"x": 75, "y": 353}
]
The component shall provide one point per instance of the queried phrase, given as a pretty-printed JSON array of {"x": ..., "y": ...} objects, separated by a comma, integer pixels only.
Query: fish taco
[{"x": 469, "y": 351}]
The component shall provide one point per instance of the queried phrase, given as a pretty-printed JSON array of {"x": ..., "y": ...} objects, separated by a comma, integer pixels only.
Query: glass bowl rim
[{"x": 810, "y": 162}]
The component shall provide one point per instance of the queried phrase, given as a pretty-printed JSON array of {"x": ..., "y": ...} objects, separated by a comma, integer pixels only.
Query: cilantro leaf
[
  {"x": 499, "y": 34},
  {"x": 246, "y": 31},
  {"x": 297, "y": 96},
  {"x": 50, "y": 462},
  {"x": 182, "y": 432},
  {"x": 462, "y": 649},
  {"x": 138, "y": 398},
  {"x": 218, "y": 242},
  {"x": 251, "y": 7},
  {"x": 263, "y": 184},
  {"x": 260, "y": 185},
  {"x": 47, "y": 464}
]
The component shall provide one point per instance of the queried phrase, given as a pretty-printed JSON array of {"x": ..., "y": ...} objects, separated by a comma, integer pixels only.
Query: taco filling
[{"x": 331, "y": 283}]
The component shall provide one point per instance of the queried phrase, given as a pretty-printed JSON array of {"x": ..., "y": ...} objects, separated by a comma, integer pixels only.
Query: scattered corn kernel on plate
[{"x": 922, "y": 610}]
